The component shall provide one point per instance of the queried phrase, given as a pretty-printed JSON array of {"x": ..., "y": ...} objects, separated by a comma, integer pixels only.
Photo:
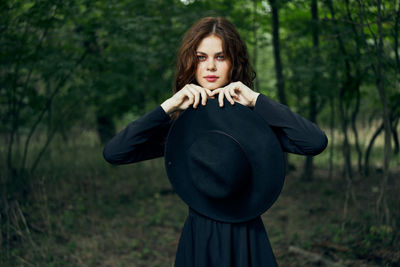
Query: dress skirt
[{"x": 205, "y": 242}]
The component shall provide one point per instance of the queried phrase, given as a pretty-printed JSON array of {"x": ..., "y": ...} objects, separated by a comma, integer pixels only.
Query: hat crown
[
  {"x": 207, "y": 153},
  {"x": 219, "y": 166}
]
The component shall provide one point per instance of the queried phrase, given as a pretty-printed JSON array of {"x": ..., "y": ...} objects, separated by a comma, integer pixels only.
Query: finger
[
  {"x": 228, "y": 96},
  {"x": 227, "y": 92},
  {"x": 196, "y": 96},
  {"x": 232, "y": 92},
  {"x": 203, "y": 93},
  {"x": 215, "y": 91},
  {"x": 221, "y": 98},
  {"x": 209, "y": 92},
  {"x": 189, "y": 94}
]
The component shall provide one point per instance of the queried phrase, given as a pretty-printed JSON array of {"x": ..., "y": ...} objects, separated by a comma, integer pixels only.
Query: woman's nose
[{"x": 211, "y": 65}]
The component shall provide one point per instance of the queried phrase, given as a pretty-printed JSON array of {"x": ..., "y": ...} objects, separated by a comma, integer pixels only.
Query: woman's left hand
[{"x": 238, "y": 92}]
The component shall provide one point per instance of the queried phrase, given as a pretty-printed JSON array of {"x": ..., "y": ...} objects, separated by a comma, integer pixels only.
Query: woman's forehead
[{"x": 211, "y": 43}]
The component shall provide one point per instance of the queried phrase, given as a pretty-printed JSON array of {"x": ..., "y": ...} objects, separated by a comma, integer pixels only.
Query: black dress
[{"x": 205, "y": 242}]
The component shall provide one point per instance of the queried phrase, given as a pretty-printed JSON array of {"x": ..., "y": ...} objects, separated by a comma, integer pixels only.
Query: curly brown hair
[{"x": 233, "y": 47}]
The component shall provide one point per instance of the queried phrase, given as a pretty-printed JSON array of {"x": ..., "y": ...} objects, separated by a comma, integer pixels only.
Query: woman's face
[{"x": 212, "y": 70}]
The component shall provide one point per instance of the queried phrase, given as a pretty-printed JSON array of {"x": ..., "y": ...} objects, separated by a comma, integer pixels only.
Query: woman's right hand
[{"x": 188, "y": 95}]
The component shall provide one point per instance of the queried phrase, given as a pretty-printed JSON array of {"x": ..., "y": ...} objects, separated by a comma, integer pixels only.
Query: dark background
[{"x": 74, "y": 73}]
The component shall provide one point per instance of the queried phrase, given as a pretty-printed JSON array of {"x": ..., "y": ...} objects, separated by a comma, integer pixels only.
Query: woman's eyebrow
[{"x": 218, "y": 53}]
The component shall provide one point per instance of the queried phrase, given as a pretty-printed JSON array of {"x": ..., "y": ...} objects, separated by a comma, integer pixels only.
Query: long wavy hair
[{"x": 233, "y": 47}]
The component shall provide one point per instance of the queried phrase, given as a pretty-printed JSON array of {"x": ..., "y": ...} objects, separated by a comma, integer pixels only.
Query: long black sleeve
[
  {"x": 142, "y": 139},
  {"x": 296, "y": 134}
]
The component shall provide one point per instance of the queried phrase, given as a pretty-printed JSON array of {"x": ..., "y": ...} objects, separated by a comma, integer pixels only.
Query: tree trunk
[
  {"x": 344, "y": 122},
  {"x": 354, "y": 126},
  {"x": 278, "y": 63},
  {"x": 369, "y": 149},
  {"x": 396, "y": 37},
  {"x": 394, "y": 120},
  {"x": 356, "y": 87},
  {"x": 381, "y": 203},
  {"x": 105, "y": 127},
  {"x": 395, "y": 136},
  {"x": 332, "y": 125},
  {"x": 277, "y": 54},
  {"x": 308, "y": 168},
  {"x": 257, "y": 83}
]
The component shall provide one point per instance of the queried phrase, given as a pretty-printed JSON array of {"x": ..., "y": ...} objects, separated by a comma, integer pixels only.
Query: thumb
[{"x": 213, "y": 92}]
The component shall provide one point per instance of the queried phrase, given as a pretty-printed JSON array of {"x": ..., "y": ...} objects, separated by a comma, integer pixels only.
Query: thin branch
[
  {"x": 50, "y": 137},
  {"x": 47, "y": 106},
  {"x": 12, "y": 107}
]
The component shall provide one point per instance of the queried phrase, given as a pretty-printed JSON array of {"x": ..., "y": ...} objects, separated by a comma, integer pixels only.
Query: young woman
[{"x": 213, "y": 62}]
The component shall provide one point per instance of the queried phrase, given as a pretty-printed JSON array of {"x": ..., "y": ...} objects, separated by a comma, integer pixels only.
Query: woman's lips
[{"x": 211, "y": 79}]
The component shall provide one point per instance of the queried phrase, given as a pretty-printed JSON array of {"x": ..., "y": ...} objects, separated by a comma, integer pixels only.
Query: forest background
[{"x": 74, "y": 73}]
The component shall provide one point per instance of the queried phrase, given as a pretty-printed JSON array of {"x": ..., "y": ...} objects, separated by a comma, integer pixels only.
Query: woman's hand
[
  {"x": 238, "y": 92},
  {"x": 188, "y": 95}
]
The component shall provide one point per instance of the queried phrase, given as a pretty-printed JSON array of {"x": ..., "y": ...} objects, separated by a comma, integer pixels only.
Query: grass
[{"x": 82, "y": 211}]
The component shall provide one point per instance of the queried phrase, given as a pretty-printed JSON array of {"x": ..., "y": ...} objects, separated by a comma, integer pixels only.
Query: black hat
[{"x": 224, "y": 162}]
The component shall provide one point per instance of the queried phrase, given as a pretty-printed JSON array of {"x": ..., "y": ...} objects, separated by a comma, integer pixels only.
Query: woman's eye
[{"x": 201, "y": 58}]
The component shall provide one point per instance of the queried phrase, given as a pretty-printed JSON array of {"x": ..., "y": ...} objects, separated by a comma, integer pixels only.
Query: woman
[{"x": 213, "y": 61}]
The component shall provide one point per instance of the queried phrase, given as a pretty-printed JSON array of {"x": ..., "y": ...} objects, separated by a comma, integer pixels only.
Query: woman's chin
[
  {"x": 210, "y": 87},
  {"x": 213, "y": 86}
]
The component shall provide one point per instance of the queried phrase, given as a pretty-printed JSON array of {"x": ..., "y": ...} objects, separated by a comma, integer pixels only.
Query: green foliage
[
  {"x": 66, "y": 66},
  {"x": 381, "y": 234}
]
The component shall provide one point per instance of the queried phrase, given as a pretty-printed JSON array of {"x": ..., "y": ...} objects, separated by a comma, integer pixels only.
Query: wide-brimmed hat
[{"x": 224, "y": 162}]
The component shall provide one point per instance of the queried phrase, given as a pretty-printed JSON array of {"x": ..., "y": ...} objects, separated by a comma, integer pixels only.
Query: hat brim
[{"x": 260, "y": 145}]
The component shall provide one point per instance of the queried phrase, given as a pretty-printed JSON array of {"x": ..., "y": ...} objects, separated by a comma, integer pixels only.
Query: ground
[{"x": 95, "y": 214}]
